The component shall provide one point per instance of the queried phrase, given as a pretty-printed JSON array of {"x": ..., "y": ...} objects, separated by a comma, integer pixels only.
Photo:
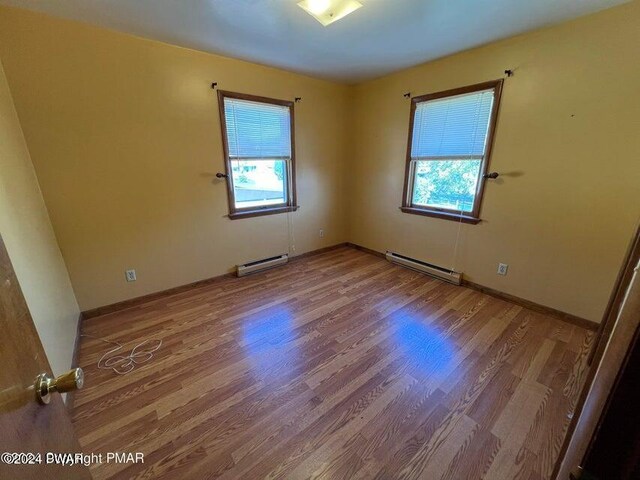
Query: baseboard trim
[
  {"x": 366, "y": 250},
  {"x": 318, "y": 251},
  {"x": 137, "y": 301},
  {"x": 74, "y": 360},
  {"x": 536, "y": 307}
]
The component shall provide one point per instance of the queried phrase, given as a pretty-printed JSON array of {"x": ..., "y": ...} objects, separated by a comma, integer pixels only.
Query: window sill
[
  {"x": 456, "y": 217},
  {"x": 262, "y": 211}
]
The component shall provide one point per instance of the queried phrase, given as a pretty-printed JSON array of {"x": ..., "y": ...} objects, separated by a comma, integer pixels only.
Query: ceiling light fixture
[{"x": 329, "y": 11}]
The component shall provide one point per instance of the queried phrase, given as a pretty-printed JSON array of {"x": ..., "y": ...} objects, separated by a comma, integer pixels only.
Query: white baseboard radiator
[
  {"x": 423, "y": 267},
  {"x": 260, "y": 265}
]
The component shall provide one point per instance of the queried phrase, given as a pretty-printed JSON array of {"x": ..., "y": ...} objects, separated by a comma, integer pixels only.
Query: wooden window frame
[
  {"x": 472, "y": 217},
  {"x": 290, "y": 205}
]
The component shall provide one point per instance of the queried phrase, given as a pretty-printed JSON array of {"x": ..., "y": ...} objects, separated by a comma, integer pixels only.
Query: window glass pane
[
  {"x": 449, "y": 184},
  {"x": 259, "y": 183}
]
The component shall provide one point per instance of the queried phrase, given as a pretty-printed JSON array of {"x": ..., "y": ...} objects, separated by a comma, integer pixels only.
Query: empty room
[{"x": 320, "y": 239}]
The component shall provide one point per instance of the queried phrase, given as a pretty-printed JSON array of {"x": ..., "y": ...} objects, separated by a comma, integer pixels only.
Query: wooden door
[
  {"x": 614, "y": 451},
  {"x": 621, "y": 327},
  {"x": 27, "y": 427}
]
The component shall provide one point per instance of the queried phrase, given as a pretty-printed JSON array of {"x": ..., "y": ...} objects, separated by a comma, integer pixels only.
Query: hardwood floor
[{"x": 339, "y": 365}]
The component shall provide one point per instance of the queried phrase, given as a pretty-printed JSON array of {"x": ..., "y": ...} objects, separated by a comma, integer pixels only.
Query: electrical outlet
[
  {"x": 321, "y": 233},
  {"x": 131, "y": 275},
  {"x": 502, "y": 268}
]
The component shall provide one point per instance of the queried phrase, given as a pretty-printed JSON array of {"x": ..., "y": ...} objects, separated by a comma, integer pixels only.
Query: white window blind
[
  {"x": 257, "y": 130},
  {"x": 452, "y": 127}
]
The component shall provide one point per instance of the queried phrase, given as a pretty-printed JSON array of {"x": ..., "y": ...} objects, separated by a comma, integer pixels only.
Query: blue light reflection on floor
[
  {"x": 266, "y": 341},
  {"x": 424, "y": 345},
  {"x": 275, "y": 325}
]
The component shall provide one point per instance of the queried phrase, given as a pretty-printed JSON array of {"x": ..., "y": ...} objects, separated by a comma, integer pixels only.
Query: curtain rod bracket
[
  {"x": 407, "y": 95},
  {"x": 297, "y": 99},
  {"x": 214, "y": 85},
  {"x": 508, "y": 73}
]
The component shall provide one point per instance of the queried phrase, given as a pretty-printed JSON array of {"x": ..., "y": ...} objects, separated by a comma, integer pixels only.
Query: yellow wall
[
  {"x": 567, "y": 146},
  {"x": 29, "y": 239},
  {"x": 125, "y": 137}
]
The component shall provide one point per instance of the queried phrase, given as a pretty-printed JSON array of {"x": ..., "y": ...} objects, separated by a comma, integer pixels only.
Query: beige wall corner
[
  {"x": 30, "y": 241},
  {"x": 567, "y": 147}
]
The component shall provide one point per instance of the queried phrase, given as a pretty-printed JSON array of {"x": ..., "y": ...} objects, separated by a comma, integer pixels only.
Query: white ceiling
[{"x": 381, "y": 37}]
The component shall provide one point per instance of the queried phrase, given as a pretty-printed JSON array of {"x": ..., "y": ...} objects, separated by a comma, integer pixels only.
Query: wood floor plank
[{"x": 338, "y": 365}]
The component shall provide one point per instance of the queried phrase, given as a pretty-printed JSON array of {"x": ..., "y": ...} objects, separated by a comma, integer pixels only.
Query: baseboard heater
[
  {"x": 259, "y": 265},
  {"x": 423, "y": 267}
]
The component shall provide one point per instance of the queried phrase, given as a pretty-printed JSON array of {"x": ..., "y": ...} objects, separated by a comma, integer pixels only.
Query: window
[
  {"x": 257, "y": 136},
  {"x": 450, "y": 136}
]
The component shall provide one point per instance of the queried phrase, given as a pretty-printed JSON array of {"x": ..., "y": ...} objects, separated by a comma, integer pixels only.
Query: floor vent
[
  {"x": 423, "y": 267},
  {"x": 259, "y": 265}
]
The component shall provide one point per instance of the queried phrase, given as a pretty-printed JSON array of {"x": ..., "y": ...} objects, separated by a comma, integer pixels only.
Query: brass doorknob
[{"x": 46, "y": 385}]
